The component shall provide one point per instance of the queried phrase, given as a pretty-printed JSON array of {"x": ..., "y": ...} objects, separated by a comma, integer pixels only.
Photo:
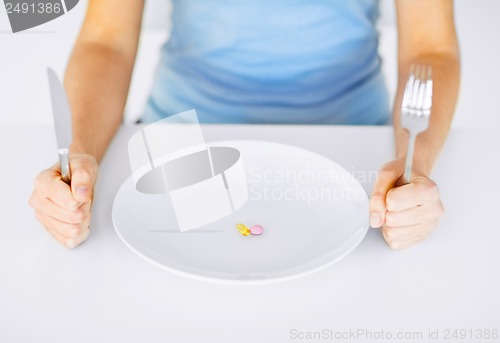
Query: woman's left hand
[{"x": 407, "y": 213}]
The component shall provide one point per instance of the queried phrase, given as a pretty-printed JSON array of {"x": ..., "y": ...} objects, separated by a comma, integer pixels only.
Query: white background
[{"x": 24, "y": 96}]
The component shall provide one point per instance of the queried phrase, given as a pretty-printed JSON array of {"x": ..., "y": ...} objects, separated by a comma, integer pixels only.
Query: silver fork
[{"x": 416, "y": 109}]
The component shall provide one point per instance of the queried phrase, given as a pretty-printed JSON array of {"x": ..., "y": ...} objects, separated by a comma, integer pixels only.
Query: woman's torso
[{"x": 272, "y": 61}]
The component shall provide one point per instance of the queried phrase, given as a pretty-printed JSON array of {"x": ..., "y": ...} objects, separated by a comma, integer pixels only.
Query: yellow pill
[{"x": 242, "y": 228}]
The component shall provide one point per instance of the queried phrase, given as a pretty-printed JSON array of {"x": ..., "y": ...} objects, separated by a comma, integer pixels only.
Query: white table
[{"x": 103, "y": 292}]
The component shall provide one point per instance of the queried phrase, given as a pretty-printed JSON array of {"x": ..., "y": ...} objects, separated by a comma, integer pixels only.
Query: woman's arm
[
  {"x": 426, "y": 36},
  {"x": 99, "y": 72},
  {"x": 97, "y": 80}
]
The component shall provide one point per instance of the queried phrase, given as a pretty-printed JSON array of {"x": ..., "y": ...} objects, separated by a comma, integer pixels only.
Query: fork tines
[{"x": 417, "y": 97}]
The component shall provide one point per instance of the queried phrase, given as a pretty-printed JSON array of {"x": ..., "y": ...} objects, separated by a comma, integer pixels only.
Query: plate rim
[{"x": 214, "y": 279}]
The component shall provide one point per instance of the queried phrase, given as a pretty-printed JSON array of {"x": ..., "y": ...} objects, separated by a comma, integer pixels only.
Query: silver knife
[{"x": 62, "y": 122}]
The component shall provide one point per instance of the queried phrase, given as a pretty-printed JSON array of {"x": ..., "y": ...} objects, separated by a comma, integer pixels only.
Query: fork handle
[{"x": 409, "y": 157}]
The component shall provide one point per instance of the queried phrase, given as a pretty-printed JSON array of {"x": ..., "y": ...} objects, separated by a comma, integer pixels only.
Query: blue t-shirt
[{"x": 272, "y": 61}]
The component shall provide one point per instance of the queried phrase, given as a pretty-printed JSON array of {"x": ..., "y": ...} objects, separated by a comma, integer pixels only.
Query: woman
[{"x": 280, "y": 61}]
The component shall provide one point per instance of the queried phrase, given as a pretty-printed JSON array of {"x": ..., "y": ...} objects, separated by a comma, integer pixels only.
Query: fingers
[
  {"x": 419, "y": 192},
  {"x": 48, "y": 184},
  {"x": 83, "y": 177},
  {"x": 387, "y": 178},
  {"x": 55, "y": 211},
  {"x": 413, "y": 212},
  {"x": 405, "y": 237},
  {"x": 70, "y": 242},
  {"x": 70, "y": 235},
  {"x": 419, "y": 214}
]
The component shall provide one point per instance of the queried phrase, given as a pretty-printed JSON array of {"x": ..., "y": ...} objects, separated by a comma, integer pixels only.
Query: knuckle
[
  {"x": 70, "y": 243},
  {"x": 38, "y": 216},
  {"x": 32, "y": 201},
  {"x": 390, "y": 219},
  {"x": 395, "y": 245},
  {"x": 77, "y": 240},
  {"x": 72, "y": 205},
  {"x": 439, "y": 209},
  {"x": 75, "y": 230},
  {"x": 38, "y": 182},
  {"x": 392, "y": 242},
  {"x": 78, "y": 216},
  {"x": 391, "y": 201},
  {"x": 87, "y": 219},
  {"x": 429, "y": 188},
  {"x": 432, "y": 188},
  {"x": 389, "y": 234}
]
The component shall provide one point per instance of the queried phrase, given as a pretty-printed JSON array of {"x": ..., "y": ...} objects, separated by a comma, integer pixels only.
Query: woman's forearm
[
  {"x": 446, "y": 75},
  {"x": 97, "y": 80}
]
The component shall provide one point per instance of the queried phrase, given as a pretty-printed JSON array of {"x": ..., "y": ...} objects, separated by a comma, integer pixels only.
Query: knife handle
[{"x": 64, "y": 162}]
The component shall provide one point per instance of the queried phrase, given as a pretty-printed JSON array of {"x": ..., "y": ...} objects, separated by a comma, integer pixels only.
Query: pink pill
[{"x": 256, "y": 230}]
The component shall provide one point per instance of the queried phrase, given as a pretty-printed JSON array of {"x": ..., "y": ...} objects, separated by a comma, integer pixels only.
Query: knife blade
[{"x": 62, "y": 122}]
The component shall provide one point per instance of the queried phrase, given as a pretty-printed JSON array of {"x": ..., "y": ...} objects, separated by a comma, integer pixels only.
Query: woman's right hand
[{"x": 65, "y": 210}]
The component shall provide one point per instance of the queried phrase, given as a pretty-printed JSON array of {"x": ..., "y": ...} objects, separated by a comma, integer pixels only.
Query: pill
[
  {"x": 256, "y": 230},
  {"x": 242, "y": 228}
]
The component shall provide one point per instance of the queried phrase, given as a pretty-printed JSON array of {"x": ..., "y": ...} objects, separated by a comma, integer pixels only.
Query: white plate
[{"x": 313, "y": 213}]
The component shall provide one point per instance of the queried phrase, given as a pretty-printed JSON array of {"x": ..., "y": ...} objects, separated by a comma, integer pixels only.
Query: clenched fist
[
  {"x": 406, "y": 213},
  {"x": 65, "y": 210}
]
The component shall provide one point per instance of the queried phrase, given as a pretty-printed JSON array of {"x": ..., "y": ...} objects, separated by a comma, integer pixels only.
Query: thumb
[
  {"x": 387, "y": 178},
  {"x": 83, "y": 176}
]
